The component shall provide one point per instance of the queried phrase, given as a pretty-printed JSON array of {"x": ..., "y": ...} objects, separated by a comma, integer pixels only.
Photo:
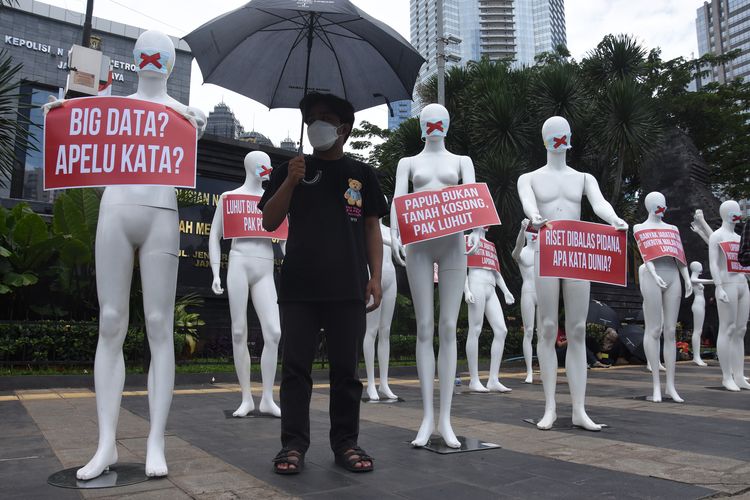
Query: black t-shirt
[{"x": 326, "y": 257}]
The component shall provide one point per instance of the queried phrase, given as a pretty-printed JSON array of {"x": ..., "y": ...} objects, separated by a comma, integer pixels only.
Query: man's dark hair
[{"x": 340, "y": 107}]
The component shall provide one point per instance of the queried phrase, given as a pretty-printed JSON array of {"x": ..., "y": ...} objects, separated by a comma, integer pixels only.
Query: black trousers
[{"x": 344, "y": 325}]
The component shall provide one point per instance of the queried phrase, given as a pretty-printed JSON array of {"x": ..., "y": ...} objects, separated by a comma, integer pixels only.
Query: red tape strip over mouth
[
  {"x": 432, "y": 127},
  {"x": 150, "y": 59}
]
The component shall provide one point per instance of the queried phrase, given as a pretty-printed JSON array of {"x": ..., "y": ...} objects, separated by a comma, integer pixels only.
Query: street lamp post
[{"x": 441, "y": 40}]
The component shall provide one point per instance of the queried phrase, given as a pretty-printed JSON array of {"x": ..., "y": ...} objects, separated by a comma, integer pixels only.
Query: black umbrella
[
  {"x": 601, "y": 314},
  {"x": 274, "y": 51},
  {"x": 631, "y": 337}
]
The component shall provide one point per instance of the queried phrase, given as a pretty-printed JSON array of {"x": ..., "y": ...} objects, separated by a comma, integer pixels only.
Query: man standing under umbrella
[{"x": 334, "y": 238}]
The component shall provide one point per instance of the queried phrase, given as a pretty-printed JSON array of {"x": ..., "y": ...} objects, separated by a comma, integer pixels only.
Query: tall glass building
[{"x": 722, "y": 26}]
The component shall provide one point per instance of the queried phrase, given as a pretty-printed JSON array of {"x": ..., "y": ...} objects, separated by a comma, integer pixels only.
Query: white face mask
[{"x": 322, "y": 135}]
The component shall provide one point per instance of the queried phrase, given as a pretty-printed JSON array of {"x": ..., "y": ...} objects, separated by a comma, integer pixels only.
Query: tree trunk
[{"x": 614, "y": 197}]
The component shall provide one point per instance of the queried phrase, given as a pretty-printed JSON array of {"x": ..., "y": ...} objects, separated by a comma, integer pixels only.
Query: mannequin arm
[
  {"x": 652, "y": 270},
  {"x": 528, "y": 201},
  {"x": 401, "y": 188},
  {"x": 198, "y": 119},
  {"x": 685, "y": 278},
  {"x": 702, "y": 281},
  {"x": 468, "y": 296},
  {"x": 714, "y": 256},
  {"x": 500, "y": 282},
  {"x": 468, "y": 176},
  {"x": 214, "y": 246},
  {"x": 700, "y": 226},
  {"x": 601, "y": 206},
  {"x": 282, "y": 245},
  {"x": 520, "y": 240},
  {"x": 385, "y": 233},
  {"x": 374, "y": 245}
]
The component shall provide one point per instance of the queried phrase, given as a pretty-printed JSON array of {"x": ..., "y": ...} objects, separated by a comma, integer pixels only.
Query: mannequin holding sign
[
  {"x": 479, "y": 292},
  {"x": 379, "y": 326},
  {"x": 554, "y": 192},
  {"x": 142, "y": 219},
  {"x": 433, "y": 169},
  {"x": 698, "y": 309},
  {"x": 250, "y": 270},
  {"x": 525, "y": 256},
  {"x": 732, "y": 298},
  {"x": 660, "y": 287}
]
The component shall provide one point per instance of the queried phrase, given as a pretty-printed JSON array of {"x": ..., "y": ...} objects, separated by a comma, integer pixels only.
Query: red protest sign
[
  {"x": 656, "y": 243},
  {"x": 584, "y": 251},
  {"x": 431, "y": 214},
  {"x": 242, "y": 218},
  {"x": 485, "y": 257},
  {"x": 107, "y": 141},
  {"x": 731, "y": 249}
]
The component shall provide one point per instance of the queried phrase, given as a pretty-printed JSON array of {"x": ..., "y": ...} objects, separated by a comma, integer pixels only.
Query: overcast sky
[{"x": 669, "y": 24}]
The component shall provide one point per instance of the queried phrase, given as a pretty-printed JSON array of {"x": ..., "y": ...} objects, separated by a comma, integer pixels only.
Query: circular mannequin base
[{"x": 123, "y": 474}]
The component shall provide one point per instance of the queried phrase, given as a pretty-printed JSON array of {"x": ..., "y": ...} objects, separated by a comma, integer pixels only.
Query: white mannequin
[
  {"x": 250, "y": 269},
  {"x": 433, "y": 169},
  {"x": 142, "y": 218},
  {"x": 732, "y": 301},
  {"x": 379, "y": 325},
  {"x": 550, "y": 193},
  {"x": 660, "y": 287},
  {"x": 525, "y": 256},
  {"x": 698, "y": 309},
  {"x": 479, "y": 292}
]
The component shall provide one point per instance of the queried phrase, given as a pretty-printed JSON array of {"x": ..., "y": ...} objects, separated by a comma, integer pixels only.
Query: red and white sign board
[
  {"x": 584, "y": 251},
  {"x": 108, "y": 141},
  {"x": 243, "y": 219},
  {"x": 656, "y": 243},
  {"x": 731, "y": 250},
  {"x": 428, "y": 215},
  {"x": 485, "y": 257}
]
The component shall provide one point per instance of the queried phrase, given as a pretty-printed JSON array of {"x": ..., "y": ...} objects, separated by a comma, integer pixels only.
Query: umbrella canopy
[
  {"x": 632, "y": 337},
  {"x": 601, "y": 314},
  {"x": 273, "y": 51}
]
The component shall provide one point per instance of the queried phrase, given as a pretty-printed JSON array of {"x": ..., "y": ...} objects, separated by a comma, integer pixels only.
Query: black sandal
[
  {"x": 348, "y": 462},
  {"x": 289, "y": 457}
]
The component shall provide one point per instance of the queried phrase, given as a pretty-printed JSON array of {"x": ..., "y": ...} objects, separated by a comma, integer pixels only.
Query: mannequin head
[
  {"x": 696, "y": 267},
  {"x": 434, "y": 120},
  {"x": 730, "y": 212},
  {"x": 556, "y": 135},
  {"x": 656, "y": 204},
  {"x": 154, "y": 55},
  {"x": 258, "y": 165}
]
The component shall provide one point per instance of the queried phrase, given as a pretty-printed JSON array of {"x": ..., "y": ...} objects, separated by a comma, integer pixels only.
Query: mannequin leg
[
  {"x": 237, "y": 291},
  {"x": 450, "y": 288},
  {"x": 528, "y": 316},
  {"x": 387, "y": 306},
  {"x": 671, "y": 298},
  {"x": 419, "y": 270},
  {"x": 476, "y": 321},
  {"x": 263, "y": 295},
  {"x": 576, "y": 298},
  {"x": 368, "y": 348},
  {"x": 699, "y": 314},
  {"x": 114, "y": 265},
  {"x": 496, "y": 319},
  {"x": 159, "y": 278},
  {"x": 548, "y": 294},
  {"x": 743, "y": 310},
  {"x": 652, "y": 316},
  {"x": 728, "y": 313}
]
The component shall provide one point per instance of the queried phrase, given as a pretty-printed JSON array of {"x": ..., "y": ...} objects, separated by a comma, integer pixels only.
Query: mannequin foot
[
  {"x": 100, "y": 462},
  {"x": 742, "y": 383},
  {"x": 529, "y": 379},
  {"x": 425, "y": 431},
  {"x": 662, "y": 368},
  {"x": 245, "y": 408},
  {"x": 476, "y": 386},
  {"x": 496, "y": 386},
  {"x": 372, "y": 393},
  {"x": 730, "y": 385},
  {"x": 547, "y": 421},
  {"x": 699, "y": 362},
  {"x": 386, "y": 392},
  {"x": 580, "y": 419},
  {"x": 446, "y": 431},
  {"x": 656, "y": 396},
  {"x": 672, "y": 393},
  {"x": 268, "y": 407},
  {"x": 156, "y": 463}
]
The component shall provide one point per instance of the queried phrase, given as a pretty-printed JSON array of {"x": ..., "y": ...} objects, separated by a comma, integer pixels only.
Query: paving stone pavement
[{"x": 699, "y": 449}]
